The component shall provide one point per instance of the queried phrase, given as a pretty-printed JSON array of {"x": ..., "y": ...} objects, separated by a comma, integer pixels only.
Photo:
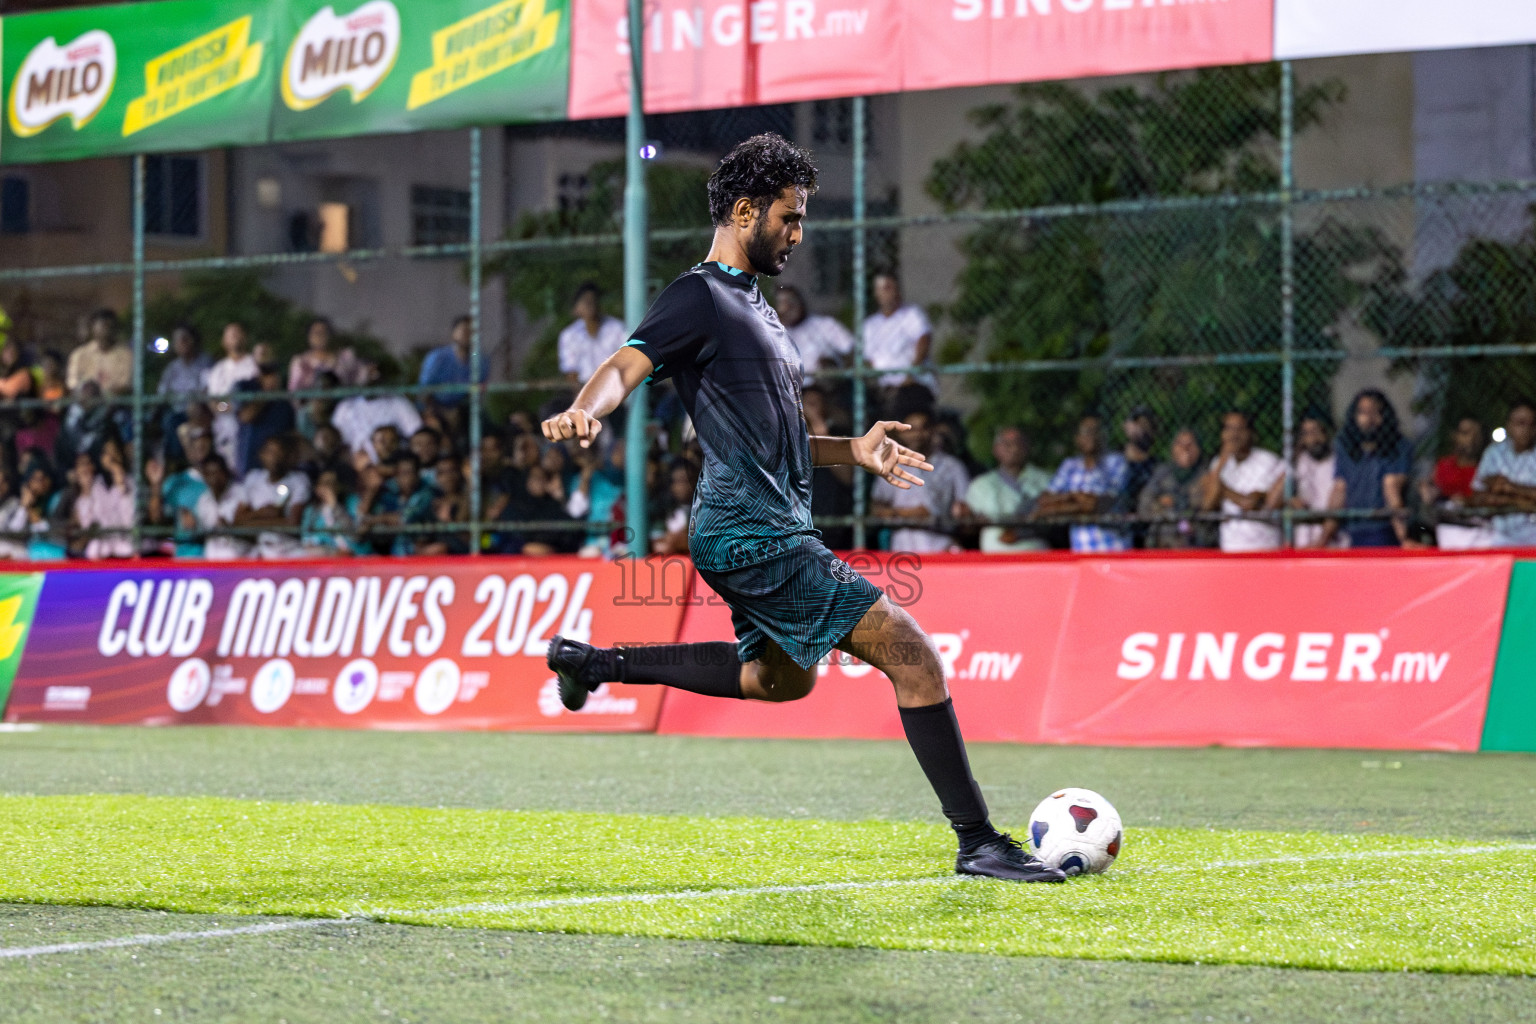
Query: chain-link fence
[{"x": 1091, "y": 279}]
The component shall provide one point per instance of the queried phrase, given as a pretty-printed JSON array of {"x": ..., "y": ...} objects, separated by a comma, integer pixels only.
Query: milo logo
[
  {"x": 332, "y": 52},
  {"x": 73, "y": 80}
]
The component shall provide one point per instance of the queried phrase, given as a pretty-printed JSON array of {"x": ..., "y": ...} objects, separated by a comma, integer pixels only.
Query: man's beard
[{"x": 764, "y": 253}]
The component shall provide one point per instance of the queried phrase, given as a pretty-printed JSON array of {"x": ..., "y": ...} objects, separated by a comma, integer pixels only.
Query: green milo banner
[
  {"x": 191, "y": 74},
  {"x": 18, "y": 602},
  {"x": 1511, "y": 721}
]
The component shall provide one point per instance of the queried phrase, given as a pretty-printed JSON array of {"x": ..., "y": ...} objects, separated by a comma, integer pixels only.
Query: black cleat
[
  {"x": 578, "y": 667},
  {"x": 1003, "y": 857}
]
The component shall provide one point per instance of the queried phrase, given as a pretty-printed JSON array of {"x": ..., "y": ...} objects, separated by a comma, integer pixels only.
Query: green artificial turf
[{"x": 1366, "y": 902}]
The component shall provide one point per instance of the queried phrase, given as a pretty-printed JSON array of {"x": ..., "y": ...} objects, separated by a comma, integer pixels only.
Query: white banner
[{"x": 1328, "y": 28}]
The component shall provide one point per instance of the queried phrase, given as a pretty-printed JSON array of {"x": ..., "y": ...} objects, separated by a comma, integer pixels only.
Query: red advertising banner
[
  {"x": 1122, "y": 650},
  {"x": 703, "y": 54},
  {"x": 396, "y": 644}
]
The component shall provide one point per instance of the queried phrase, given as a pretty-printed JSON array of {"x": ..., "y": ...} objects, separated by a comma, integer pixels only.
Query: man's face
[
  {"x": 386, "y": 441},
  {"x": 681, "y": 486},
  {"x": 1185, "y": 450},
  {"x": 327, "y": 441},
  {"x": 199, "y": 446},
  {"x": 1087, "y": 438},
  {"x": 490, "y": 453},
  {"x": 449, "y": 476},
  {"x": 424, "y": 447},
  {"x": 1236, "y": 435},
  {"x": 920, "y": 436},
  {"x": 233, "y": 340},
  {"x": 272, "y": 458},
  {"x": 103, "y": 331},
  {"x": 1010, "y": 450},
  {"x": 215, "y": 476},
  {"x": 319, "y": 336},
  {"x": 1368, "y": 416},
  {"x": 585, "y": 306},
  {"x": 1138, "y": 431},
  {"x": 1313, "y": 438},
  {"x": 1468, "y": 438},
  {"x": 407, "y": 476},
  {"x": 887, "y": 294},
  {"x": 183, "y": 343},
  {"x": 775, "y": 231},
  {"x": 1521, "y": 427},
  {"x": 461, "y": 333},
  {"x": 791, "y": 309}
]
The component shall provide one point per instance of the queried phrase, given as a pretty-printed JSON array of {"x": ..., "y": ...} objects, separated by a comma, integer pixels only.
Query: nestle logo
[
  {"x": 82, "y": 52},
  {"x": 361, "y": 21}
]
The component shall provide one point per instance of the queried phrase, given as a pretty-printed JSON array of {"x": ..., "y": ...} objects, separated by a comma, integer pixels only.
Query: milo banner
[{"x": 454, "y": 644}]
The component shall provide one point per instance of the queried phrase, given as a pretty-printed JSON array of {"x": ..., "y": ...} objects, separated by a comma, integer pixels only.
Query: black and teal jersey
[{"x": 738, "y": 375}]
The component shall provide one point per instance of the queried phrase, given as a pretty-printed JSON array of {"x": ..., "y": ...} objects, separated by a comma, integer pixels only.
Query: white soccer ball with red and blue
[{"x": 1076, "y": 830}]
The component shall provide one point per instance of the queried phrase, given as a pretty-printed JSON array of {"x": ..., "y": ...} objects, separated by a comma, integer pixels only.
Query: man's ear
[{"x": 742, "y": 212}]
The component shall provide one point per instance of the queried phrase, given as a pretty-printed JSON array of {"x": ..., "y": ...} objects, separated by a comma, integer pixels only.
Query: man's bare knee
[
  {"x": 776, "y": 680},
  {"x": 891, "y": 640}
]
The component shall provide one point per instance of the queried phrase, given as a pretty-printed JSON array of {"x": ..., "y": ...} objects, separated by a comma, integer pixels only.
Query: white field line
[{"x": 696, "y": 894}]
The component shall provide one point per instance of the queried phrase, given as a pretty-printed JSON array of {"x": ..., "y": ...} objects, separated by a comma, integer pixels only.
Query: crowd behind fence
[{"x": 1152, "y": 339}]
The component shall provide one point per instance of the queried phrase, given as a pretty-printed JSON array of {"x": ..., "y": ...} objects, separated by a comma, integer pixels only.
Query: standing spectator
[
  {"x": 1008, "y": 492},
  {"x": 897, "y": 337},
  {"x": 942, "y": 496},
  {"x": 1314, "y": 474},
  {"x": 187, "y": 374},
  {"x": 591, "y": 337},
  {"x": 262, "y": 418},
  {"x": 221, "y": 505},
  {"x": 821, "y": 340},
  {"x": 1140, "y": 433},
  {"x": 319, "y": 356},
  {"x": 275, "y": 495},
  {"x": 172, "y": 494},
  {"x": 326, "y": 526},
  {"x": 359, "y": 416},
  {"x": 103, "y": 358},
  {"x": 1172, "y": 496},
  {"x": 236, "y": 366},
  {"x": 1454, "y": 473},
  {"x": 104, "y": 503},
  {"x": 1372, "y": 461},
  {"x": 449, "y": 364},
  {"x": 1088, "y": 484},
  {"x": 1243, "y": 479},
  {"x": 1506, "y": 478}
]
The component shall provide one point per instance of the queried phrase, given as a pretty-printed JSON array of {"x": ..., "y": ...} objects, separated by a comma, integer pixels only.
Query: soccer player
[{"x": 792, "y": 601}]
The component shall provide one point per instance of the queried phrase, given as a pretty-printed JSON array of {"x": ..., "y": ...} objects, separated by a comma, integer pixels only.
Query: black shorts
[{"x": 804, "y": 599}]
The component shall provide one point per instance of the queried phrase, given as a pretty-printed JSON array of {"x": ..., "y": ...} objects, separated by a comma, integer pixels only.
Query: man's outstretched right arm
[{"x": 604, "y": 392}]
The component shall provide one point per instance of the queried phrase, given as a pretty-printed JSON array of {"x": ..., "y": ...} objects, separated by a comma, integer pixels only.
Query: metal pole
[
  {"x": 1287, "y": 291},
  {"x": 634, "y": 277},
  {"x": 860, "y": 273},
  {"x": 140, "y": 502},
  {"x": 475, "y": 500}
]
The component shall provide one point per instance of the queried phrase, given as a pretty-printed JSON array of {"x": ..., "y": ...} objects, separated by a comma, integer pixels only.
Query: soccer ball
[{"x": 1075, "y": 830}]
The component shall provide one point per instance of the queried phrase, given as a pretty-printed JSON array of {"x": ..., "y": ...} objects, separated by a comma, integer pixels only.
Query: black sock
[
  {"x": 712, "y": 669},
  {"x": 934, "y": 735}
]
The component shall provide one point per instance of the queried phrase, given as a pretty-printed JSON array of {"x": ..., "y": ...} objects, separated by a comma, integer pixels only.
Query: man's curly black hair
[{"x": 759, "y": 169}]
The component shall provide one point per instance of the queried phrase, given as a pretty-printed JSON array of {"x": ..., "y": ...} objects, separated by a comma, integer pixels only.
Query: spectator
[
  {"x": 831, "y": 486},
  {"x": 598, "y": 494},
  {"x": 427, "y": 445},
  {"x": 897, "y": 337},
  {"x": 104, "y": 500},
  {"x": 1172, "y": 496},
  {"x": 1506, "y": 478},
  {"x": 1454, "y": 473},
  {"x": 275, "y": 495},
  {"x": 319, "y": 357},
  {"x": 1372, "y": 461},
  {"x": 172, "y": 495},
  {"x": 187, "y": 374},
  {"x": 449, "y": 507},
  {"x": 236, "y": 366},
  {"x": 327, "y": 453},
  {"x": 671, "y": 536},
  {"x": 820, "y": 340},
  {"x": 941, "y": 498},
  {"x": 326, "y": 526},
  {"x": 358, "y": 417},
  {"x": 88, "y": 422},
  {"x": 103, "y": 358},
  {"x": 1314, "y": 480},
  {"x": 14, "y": 526},
  {"x": 541, "y": 500},
  {"x": 262, "y": 418},
  {"x": 1008, "y": 492},
  {"x": 16, "y": 384},
  {"x": 222, "y": 505},
  {"x": 449, "y": 364},
  {"x": 590, "y": 338},
  {"x": 405, "y": 500},
  {"x": 1140, "y": 432},
  {"x": 43, "y": 503},
  {"x": 318, "y": 412},
  {"x": 1088, "y": 484},
  {"x": 1243, "y": 480}
]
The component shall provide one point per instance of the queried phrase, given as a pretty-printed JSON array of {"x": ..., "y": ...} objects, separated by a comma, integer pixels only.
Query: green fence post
[
  {"x": 139, "y": 501},
  {"x": 475, "y": 271},
  {"x": 860, "y": 272},
  {"x": 634, "y": 277},
  {"x": 1287, "y": 292}
]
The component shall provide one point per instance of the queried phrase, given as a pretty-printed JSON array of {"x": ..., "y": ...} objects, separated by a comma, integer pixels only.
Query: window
[
  {"x": 573, "y": 191},
  {"x": 173, "y": 196},
  {"x": 439, "y": 216},
  {"x": 15, "y": 206}
]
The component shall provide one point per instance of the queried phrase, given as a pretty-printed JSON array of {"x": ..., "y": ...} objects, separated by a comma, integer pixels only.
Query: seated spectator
[
  {"x": 187, "y": 373},
  {"x": 897, "y": 337},
  {"x": 1172, "y": 496},
  {"x": 1242, "y": 480},
  {"x": 219, "y": 507},
  {"x": 821, "y": 340},
  {"x": 449, "y": 507},
  {"x": 327, "y": 525},
  {"x": 405, "y": 500},
  {"x": 1372, "y": 461},
  {"x": 1314, "y": 481},
  {"x": 261, "y": 418},
  {"x": 387, "y": 450},
  {"x": 525, "y": 452},
  {"x": 319, "y": 356},
  {"x": 315, "y": 413},
  {"x": 449, "y": 364},
  {"x": 598, "y": 493},
  {"x": 236, "y": 366},
  {"x": 328, "y": 453},
  {"x": 102, "y": 359},
  {"x": 15, "y": 529},
  {"x": 939, "y": 500},
  {"x": 427, "y": 445},
  {"x": 1506, "y": 479},
  {"x": 1455, "y": 472},
  {"x": 275, "y": 495},
  {"x": 671, "y": 535},
  {"x": 171, "y": 495},
  {"x": 87, "y": 424},
  {"x": 831, "y": 486},
  {"x": 39, "y": 427},
  {"x": 1140, "y": 435},
  {"x": 104, "y": 502},
  {"x": 540, "y": 500},
  {"x": 1008, "y": 492},
  {"x": 591, "y": 337},
  {"x": 1088, "y": 484},
  {"x": 44, "y": 505},
  {"x": 16, "y": 383},
  {"x": 359, "y": 416}
]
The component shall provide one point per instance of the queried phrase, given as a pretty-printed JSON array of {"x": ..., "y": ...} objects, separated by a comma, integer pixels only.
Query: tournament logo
[
  {"x": 56, "y": 81},
  {"x": 272, "y": 686},
  {"x": 332, "y": 53},
  {"x": 437, "y": 686},
  {"x": 189, "y": 684},
  {"x": 356, "y": 686}
]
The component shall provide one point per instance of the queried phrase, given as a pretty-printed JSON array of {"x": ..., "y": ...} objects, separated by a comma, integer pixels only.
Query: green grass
[{"x": 1364, "y": 902}]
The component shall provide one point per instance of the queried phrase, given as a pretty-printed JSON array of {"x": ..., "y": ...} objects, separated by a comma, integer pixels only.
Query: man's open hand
[
  {"x": 572, "y": 423},
  {"x": 882, "y": 456}
]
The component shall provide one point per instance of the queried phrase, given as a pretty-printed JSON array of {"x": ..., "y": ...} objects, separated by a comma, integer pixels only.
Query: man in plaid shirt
[{"x": 1088, "y": 484}]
